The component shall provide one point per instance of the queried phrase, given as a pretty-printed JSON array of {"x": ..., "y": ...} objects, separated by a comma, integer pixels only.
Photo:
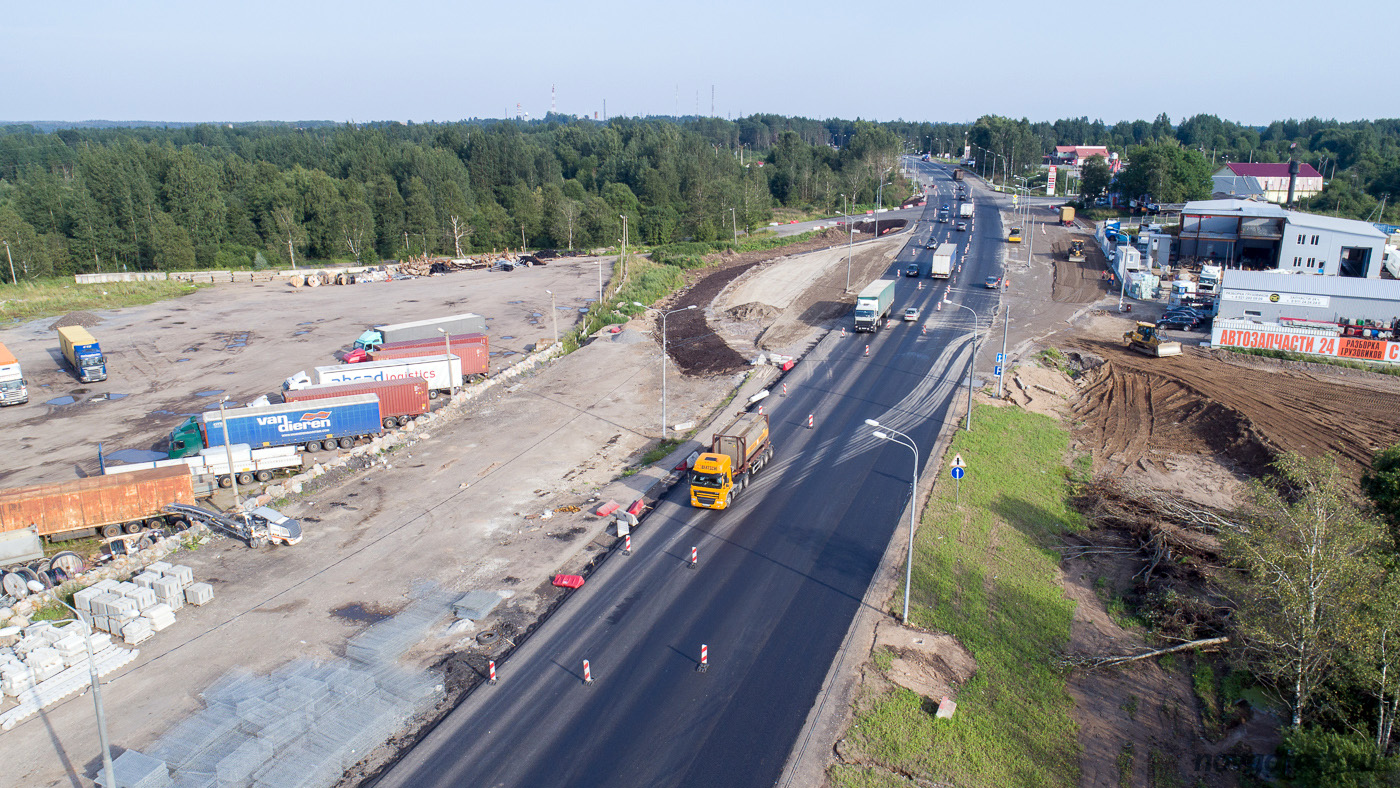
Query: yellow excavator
[{"x": 1145, "y": 339}]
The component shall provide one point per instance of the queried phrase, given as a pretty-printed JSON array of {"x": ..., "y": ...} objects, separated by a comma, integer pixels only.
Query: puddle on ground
[
  {"x": 534, "y": 322},
  {"x": 60, "y": 401},
  {"x": 583, "y": 309},
  {"x": 209, "y": 393},
  {"x": 565, "y": 308},
  {"x": 134, "y": 455},
  {"x": 178, "y": 360},
  {"x": 118, "y": 396},
  {"x": 307, "y": 323},
  {"x": 515, "y": 302},
  {"x": 536, "y": 314},
  {"x": 361, "y": 614},
  {"x": 299, "y": 333},
  {"x": 507, "y": 337},
  {"x": 162, "y": 413}
]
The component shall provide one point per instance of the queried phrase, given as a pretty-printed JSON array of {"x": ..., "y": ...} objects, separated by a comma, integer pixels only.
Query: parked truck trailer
[
  {"x": 736, "y": 453},
  {"x": 421, "y": 329},
  {"x": 475, "y": 359},
  {"x": 83, "y": 353},
  {"x": 318, "y": 424},
  {"x": 400, "y": 401},
  {"x": 442, "y": 373},
  {"x": 873, "y": 304},
  {"x": 942, "y": 265},
  {"x": 957, "y": 173},
  {"x": 14, "y": 390},
  {"x": 104, "y": 505},
  {"x": 249, "y": 464}
]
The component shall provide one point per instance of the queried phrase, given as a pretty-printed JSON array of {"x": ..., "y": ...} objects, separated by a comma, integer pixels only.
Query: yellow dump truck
[{"x": 736, "y": 453}]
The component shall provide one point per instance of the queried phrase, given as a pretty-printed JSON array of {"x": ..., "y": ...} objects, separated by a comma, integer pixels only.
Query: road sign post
[{"x": 958, "y": 470}]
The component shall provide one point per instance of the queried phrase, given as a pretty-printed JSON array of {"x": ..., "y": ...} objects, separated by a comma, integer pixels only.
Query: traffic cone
[
  {"x": 867, "y": 350},
  {"x": 809, "y": 421},
  {"x": 843, "y": 331}
]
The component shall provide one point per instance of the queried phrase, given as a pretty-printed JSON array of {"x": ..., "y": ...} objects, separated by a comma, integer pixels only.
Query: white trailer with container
[
  {"x": 443, "y": 373},
  {"x": 249, "y": 464}
]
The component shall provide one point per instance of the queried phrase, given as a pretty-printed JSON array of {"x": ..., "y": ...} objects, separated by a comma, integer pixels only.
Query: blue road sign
[
  {"x": 958, "y": 472},
  {"x": 997, "y": 370},
  {"x": 1001, "y": 357}
]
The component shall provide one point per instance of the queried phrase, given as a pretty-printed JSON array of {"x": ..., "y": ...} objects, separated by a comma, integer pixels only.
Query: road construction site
[{"x": 496, "y": 493}]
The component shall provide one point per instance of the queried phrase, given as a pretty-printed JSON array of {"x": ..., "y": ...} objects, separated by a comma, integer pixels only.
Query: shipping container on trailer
[
  {"x": 421, "y": 329},
  {"x": 400, "y": 401},
  {"x": 441, "y": 371},
  {"x": 107, "y": 504},
  {"x": 476, "y": 360}
]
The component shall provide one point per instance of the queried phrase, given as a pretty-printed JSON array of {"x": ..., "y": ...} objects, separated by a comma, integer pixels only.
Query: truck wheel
[
  {"x": 245, "y": 479},
  {"x": 390, "y": 422},
  {"x": 432, "y": 394},
  {"x": 328, "y": 444},
  {"x": 134, "y": 527},
  {"x": 313, "y": 445},
  {"x": 264, "y": 476},
  {"x": 729, "y": 499},
  {"x": 111, "y": 530},
  {"x": 346, "y": 443},
  {"x": 225, "y": 481}
]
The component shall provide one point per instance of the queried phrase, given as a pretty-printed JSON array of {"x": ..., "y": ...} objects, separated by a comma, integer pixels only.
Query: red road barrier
[
  {"x": 627, "y": 545},
  {"x": 568, "y": 581},
  {"x": 637, "y": 507},
  {"x": 587, "y": 673},
  {"x": 694, "y": 557},
  {"x": 809, "y": 421},
  {"x": 867, "y": 350},
  {"x": 787, "y": 365},
  {"x": 784, "y": 389},
  {"x": 492, "y": 666},
  {"x": 704, "y": 658},
  {"x": 608, "y": 508}
]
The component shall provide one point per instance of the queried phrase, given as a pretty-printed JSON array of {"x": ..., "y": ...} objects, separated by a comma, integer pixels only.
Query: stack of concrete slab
[
  {"x": 169, "y": 592},
  {"x": 159, "y": 615},
  {"x": 304, "y": 724},
  {"x": 49, "y": 663},
  {"x": 133, "y": 769}
]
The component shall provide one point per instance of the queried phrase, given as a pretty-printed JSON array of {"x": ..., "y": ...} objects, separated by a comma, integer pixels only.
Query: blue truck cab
[{"x": 81, "y": 350}]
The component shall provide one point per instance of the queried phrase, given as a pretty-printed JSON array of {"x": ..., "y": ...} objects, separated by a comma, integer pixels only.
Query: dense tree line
[
  {"x": 206, "y": 196},
  {"x": 221, "y": 196}
]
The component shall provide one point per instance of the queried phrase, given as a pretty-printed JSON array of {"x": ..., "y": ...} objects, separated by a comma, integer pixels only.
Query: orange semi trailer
[{"x": 105, "y": 505}]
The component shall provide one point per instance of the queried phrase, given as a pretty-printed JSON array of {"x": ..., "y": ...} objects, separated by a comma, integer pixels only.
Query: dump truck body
[
  {"x": 1145, "y": 339},
  {"x": 1066, "y": 215},
  {"x": 421, "y": 329},
  {"x": 14, "y": 389},
  {"x": 873, "y": 304},
  {"x": 400, "y": 401},
  {"x": 81, "y": 350},
  {"x": 736, "y": 452},
  {"x": 128, "y": 502}
]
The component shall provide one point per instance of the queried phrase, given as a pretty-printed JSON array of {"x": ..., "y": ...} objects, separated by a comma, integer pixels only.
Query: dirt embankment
[
  {"x": 693, "y": 344},
  {"x": 1242, "y": 411}
]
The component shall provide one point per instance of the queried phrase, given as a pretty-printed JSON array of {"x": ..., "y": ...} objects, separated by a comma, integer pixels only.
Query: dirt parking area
[{"x": 168, "y": 360}]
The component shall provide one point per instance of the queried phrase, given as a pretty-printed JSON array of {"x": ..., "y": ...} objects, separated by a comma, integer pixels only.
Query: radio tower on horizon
[{"x": 553, "y": 108}]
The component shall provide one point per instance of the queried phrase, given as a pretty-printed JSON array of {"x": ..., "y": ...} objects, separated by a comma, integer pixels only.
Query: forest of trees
[{"x": 207, "y": 196}]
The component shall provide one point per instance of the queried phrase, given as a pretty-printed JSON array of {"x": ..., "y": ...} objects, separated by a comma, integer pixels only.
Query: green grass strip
[{"x": 985, "y": 574}]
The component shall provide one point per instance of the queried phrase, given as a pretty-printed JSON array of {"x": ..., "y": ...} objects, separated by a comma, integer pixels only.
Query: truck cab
[
  {"x": 83, "y": 353},
  {"x": 186, "y": 440},
  {"x": 370, "y": 340},
  {"x": 712, "y": 481},
  {"x": 14, "y": 390}
]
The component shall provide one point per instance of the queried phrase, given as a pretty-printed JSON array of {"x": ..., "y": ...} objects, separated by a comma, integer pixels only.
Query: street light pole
[
  {"x": 623, "y": 217},
  {"x": 554, "y": 313},
  {"x": 850, "y": 241},
  {"x": 971, "y": 361},
  {"x": 913, "y": 504},
  {"x": 108, "y": 775},
  {"x": 11, "y": 257},
  {"x": 228, "y": 452},
  {"x": 664, "y": 315}
]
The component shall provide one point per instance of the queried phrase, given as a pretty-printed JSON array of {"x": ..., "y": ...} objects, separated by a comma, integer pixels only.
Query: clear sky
[{"x": 423, "y": 60}]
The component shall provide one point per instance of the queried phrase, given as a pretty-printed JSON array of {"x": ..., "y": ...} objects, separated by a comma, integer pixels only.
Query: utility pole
[
  {"x": 13, "y": 280},
  {"x": 1005, "y": 322},
  {"x": 733, "y": 219}
]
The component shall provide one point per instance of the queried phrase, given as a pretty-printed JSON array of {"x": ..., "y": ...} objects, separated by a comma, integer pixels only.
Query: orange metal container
[{"x": 95, "y": 501}]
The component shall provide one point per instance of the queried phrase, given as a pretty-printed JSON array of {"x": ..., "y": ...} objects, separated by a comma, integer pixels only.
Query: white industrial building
[
  {"x": 1299, "y": 299},
  {"x": 1257, "y": 236}
]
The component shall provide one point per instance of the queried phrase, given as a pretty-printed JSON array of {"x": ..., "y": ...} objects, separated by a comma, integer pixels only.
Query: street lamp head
[
  {"x": 692, "y": 306},
  {"x": 882, "y": 436},
  {"x": 872, "y": 422},
  {"x": 442, "y": 331},
  {"x": 551, "y": 292},
  {"x": 640, "y": 304}
]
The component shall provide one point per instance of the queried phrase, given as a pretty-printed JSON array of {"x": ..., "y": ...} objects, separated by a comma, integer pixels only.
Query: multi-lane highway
[{"x": 779, "y": 579}]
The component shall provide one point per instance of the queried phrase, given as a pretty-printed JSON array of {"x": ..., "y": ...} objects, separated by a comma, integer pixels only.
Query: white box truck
[
  {"x": 442, "y": 372},
  {"x": 873, "y": 304},
  {"x": 965, "y": 210},
  {"x": 942, "y": 265}
]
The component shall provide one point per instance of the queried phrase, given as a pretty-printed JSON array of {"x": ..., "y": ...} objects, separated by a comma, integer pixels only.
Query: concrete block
[
  {"x": 144, "y": 598},
  {"x": 82, "y": 598},
  {"x": 146, "y": 579},
  {"x": 182, "y": 573},
  {"x": 136, "y": 631},
  {"x": 199, "y": 594},
  {"x": 159, "y": 567}
]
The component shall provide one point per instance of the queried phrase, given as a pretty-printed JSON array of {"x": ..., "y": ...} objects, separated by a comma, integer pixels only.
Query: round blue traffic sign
[{"x": 958, "y": 472}]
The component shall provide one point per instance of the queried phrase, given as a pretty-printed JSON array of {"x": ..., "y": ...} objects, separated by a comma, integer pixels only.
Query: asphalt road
[{"x": 779, "y": 579}]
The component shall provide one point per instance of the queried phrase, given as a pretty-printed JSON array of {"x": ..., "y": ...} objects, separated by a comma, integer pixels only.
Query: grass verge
[
  {"x": 985, "y": 575},
  {"x": 53, "y": 297}
]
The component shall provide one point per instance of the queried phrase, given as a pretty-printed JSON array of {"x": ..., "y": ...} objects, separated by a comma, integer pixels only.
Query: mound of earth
[
  {"x": 753, "y": 311},
  {"x": 932, "y": 665},
  {"x": 84, "y": 319}
]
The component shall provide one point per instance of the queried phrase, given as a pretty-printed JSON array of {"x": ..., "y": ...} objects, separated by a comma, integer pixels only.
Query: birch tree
[{"x": 1304, "y": 573}]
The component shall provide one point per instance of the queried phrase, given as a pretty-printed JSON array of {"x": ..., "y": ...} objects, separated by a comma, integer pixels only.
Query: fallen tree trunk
[{"x": 1108, "y": 662}]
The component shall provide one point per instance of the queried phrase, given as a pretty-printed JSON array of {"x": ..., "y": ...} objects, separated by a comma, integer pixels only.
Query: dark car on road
[
  {"x": 993, "y": 282},
  {"x": 1178, "y": 321}
]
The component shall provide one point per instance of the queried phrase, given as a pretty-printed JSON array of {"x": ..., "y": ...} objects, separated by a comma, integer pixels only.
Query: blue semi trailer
[{"x": 319, "y": 424}]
